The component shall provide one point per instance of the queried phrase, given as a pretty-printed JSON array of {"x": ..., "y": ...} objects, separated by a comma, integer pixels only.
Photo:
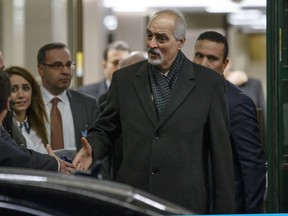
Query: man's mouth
[{"x": 153, "y": 51}]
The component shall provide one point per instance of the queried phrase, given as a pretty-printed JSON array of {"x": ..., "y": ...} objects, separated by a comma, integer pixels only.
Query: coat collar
[
  {"x": 185, "y": 84},
  {"x": 144, "y": 92}
]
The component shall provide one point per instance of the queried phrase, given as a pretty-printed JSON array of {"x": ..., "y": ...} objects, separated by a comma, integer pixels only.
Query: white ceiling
[
  {"x": 249, "y": 15},
  {"x": 220, "y": 5}
]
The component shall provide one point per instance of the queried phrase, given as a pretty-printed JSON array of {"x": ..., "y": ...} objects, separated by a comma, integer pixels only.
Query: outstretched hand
[
  {"x": 83, "y": 158},
  {"x": 65, "y": 167}
]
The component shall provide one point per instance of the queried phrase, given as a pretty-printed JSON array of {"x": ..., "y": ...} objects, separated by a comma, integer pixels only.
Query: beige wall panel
[{"x": 94, "y": 40}]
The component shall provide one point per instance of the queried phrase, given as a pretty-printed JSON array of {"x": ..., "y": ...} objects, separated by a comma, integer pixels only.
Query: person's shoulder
[
  {"x": 254, "y": 82},
  {"x": 135, "y": 65},
  {"x": 79, "y": 95},
  {"x": 237, "y": 95},
  {"x": 252, "y": 79},
  {"x": 203, "y": 72},
  {"x": 232, "y": 87},
  {"x": 133, "y": 68},
  {"x": 129, "y": 72},
  {"x": 91, "y": 86}
]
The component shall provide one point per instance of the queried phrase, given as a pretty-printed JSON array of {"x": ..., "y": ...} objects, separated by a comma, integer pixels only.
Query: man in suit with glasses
[{"x": 77, "y": 111}]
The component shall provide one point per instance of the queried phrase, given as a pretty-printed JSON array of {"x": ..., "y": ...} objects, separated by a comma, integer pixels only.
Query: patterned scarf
[{"x": 163, "y": 86}]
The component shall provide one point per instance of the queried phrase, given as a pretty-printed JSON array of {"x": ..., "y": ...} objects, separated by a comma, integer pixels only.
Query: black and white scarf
[{"x": 163, "y": 86}]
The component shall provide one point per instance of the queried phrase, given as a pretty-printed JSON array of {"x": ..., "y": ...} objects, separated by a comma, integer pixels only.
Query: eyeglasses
[{"x": 59, "y": 65}]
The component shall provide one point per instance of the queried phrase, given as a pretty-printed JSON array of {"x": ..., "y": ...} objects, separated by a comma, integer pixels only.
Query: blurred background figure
[
  {"x": 112, "y": 55},
  {"x": 29, "y": 108},
  {"x": 133, "y": 58},
  {"x": 252, "y": 87}
]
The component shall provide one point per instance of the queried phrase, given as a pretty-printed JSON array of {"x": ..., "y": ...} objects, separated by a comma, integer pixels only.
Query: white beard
[{"x": 155, "y": 62}]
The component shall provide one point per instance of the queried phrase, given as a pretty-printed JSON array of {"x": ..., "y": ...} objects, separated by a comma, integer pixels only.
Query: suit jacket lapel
[
  {"x": 144, "y": 92},
  {"x": 185, "y": 84},
  {"x": 75, "y": 109}
]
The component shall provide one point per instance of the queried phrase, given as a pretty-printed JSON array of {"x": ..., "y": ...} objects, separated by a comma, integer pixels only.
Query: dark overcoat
[{"x": 169, "y": 157}]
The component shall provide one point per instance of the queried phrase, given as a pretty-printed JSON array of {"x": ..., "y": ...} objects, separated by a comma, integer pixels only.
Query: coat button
[
  {"x": 154, "y": 171},
  {"x": 155, "y": 136}
]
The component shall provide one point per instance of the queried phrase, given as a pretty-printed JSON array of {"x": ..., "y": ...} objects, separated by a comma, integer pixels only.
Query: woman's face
[{"x": 21, "y": 93}]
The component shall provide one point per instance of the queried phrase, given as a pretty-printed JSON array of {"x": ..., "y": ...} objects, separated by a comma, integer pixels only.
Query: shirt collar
[
  {"x": 166, "y": 73},
  {"x": 47, "y": 96},
  {"x": 25, "y": 120},
  {"x": 25, "y": 124}
]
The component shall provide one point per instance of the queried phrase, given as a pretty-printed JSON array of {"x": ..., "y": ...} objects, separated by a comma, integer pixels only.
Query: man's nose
[
  {"x": 205, "y": 62},
  {"x": 153, "y": 43},
  {"x": 65, "y": 69}
]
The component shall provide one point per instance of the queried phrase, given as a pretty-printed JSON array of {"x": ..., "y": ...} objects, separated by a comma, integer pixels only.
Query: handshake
[{"x": 81, "y": 162}]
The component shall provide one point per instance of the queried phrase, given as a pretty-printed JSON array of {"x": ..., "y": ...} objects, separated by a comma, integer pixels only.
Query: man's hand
[
  {"x": 65, "y": 167},
  {"x": 83, "y": 158}
]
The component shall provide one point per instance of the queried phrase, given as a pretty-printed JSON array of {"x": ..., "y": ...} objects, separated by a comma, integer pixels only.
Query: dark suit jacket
[
  {"x": 169, "y": 157},
  {"x": 12, "y": 128},
  {"x": 84, "y": 111},
  {"x": 21, "y": 157},
  {"x": 95, "y": 90},
  {"x": 248, "y": 152}
]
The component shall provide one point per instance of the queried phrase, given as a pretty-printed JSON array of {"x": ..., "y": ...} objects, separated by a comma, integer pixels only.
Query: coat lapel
[
  {"x": 144, "y": 92},
  {"x": 77, "y": 119},
  {"x": 185, "y": 84}
]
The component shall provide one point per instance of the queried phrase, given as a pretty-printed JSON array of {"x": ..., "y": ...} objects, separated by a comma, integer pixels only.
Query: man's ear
[
  {"x": 226, "y": 62},
  {"x": 104, "y": 64},
  {"x": 182, "y": 41},
  {"x": 40, "y": 70}
]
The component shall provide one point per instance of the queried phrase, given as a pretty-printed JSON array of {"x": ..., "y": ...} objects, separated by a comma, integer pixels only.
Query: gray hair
[{"x": 180, "y": 22}]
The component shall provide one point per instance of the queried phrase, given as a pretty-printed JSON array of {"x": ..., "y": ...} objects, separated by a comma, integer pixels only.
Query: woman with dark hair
[{"x": 29, "y": 108}]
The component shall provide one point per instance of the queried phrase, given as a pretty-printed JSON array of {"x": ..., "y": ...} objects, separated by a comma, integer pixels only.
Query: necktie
[
  {"x": 56, "y": 126},
  {"x": 25, "y": 125}
]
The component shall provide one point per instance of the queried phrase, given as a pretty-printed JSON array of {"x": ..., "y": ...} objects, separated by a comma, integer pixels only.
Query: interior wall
[
  {"x": 38, "y": 31},
  {"x": 12, "y": 37},
  {"x": 248, "y": 53},
  {"x": 95, "y": 40},
  {"x": 27, "y": 25},
  {"x": 1, "y": 23},
  {"x": 132, "y": 29}
]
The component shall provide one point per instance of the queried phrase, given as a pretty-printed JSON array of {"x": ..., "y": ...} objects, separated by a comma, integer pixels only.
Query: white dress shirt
[
  {"x": 108, "y": 83},
  {"x": 66, "y": 114},
  {"x": 33, "y": 141}
]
